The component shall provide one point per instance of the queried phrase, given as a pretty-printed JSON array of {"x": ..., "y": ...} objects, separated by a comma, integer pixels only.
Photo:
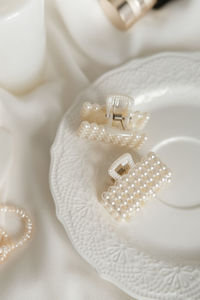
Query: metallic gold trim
[{"x": 124, "y": 13}]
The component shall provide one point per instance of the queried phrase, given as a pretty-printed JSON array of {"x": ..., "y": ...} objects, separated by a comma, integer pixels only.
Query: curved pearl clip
[
  {"x": 116, "y": 122},
  {"x": 7, "y": 244},
  {"x": 134, "y": 184}
]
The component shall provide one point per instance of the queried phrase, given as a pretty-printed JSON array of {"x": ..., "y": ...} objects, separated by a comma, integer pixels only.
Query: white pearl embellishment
[
  {"x": 116, "y": 122},
  {"x": 8, "y": 245},
  {"x": 141, "y": 182},
  {"x": 102, "y": 134}
]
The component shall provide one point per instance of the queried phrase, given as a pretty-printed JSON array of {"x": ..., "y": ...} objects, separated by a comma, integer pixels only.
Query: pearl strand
[
  {"x": 94, "y": 132},
  {"x": 132, "y": 190},
  {"x": 135, "y": 120},
  {"x": 6, "y": 244}
]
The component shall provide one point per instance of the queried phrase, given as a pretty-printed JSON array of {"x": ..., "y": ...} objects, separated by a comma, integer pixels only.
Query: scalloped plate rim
[{"x": 195, "y": 56}]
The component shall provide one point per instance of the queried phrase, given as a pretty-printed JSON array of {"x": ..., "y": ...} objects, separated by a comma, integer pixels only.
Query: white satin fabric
[{"x": 82, "y": 45}]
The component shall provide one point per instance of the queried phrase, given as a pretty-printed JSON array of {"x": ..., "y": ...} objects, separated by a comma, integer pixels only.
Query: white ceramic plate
[{"x": 157, "y": 254}]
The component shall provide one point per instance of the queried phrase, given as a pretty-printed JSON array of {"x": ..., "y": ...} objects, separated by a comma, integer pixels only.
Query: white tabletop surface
[{"x": 82, "y": 45}]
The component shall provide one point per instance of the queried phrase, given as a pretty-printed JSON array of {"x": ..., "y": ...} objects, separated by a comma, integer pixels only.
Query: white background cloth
[{"x": 82, "y": 45}]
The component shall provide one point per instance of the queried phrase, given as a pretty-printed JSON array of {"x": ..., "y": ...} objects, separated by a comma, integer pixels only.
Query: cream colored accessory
[
  {"x": 7, "y": 244},
  {"x": 116, "y": 122},
  {"x": 10, "y": 241},
  {"x": 124, "y": 13},
  {"x": 134, "y": 184}
]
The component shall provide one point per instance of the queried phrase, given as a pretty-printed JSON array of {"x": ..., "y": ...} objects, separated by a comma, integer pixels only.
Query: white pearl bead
[
  {"x": 87, "y": 106},
  {"x": 141, "y": 183},
  {"x": 126, "y": 178},
  {"x": 8, "y": 244},
  {"x": 95, "y": 106},
  {"x": 105, "y": 196},
  {"x": 124, "y": 215},
  {"x": 86, "y": 125}
]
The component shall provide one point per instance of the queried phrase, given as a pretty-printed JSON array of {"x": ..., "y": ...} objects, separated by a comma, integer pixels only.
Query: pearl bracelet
[{"x": 7, "y": 245}]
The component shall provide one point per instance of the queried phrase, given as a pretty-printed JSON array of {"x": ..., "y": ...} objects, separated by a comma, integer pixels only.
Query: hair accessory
[
  {"x": 116, "y": 122},
  {"x": 8, "y": 245},
  {"x": 134, "y": 184}
]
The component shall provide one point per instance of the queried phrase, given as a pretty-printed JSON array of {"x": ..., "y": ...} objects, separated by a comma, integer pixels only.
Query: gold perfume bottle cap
[{"x": 124, "y": 13}]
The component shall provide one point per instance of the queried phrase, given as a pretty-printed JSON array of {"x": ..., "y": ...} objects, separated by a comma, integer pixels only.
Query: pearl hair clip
[
  {"x": 134, "y": 184},
  {"x": 116, "y": 122},
  {"x": 7, "y": 245}
]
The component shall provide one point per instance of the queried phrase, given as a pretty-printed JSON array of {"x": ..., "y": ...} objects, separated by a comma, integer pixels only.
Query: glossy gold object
[{"x": 124, "y": 13}]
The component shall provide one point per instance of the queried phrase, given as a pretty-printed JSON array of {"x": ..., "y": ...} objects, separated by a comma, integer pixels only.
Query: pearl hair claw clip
[
  {"x": 134, "y": 184},
  {"x": 116, "y": 122},
  {"x": 7, "y": 244}
]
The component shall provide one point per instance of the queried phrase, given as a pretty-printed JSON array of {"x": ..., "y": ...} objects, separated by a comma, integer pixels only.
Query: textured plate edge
[{"x": 194, "y": 56}]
